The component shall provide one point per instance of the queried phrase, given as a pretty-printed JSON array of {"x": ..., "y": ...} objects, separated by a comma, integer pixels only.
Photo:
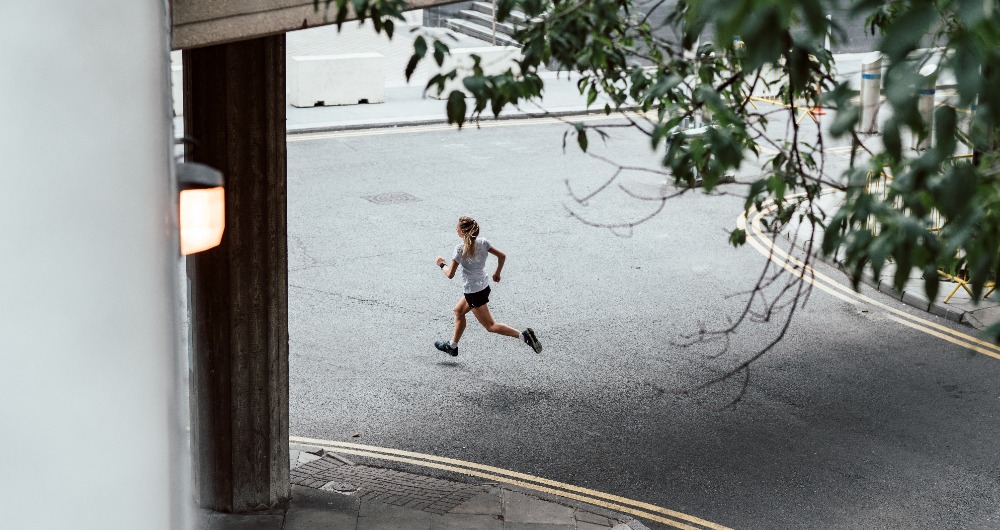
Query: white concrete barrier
[
  {"x": 925, "y": 104},
  {"x": 325, "y": 80},
  {"x": 494, "y": 60},
  {"x": 871, "y": 87}
]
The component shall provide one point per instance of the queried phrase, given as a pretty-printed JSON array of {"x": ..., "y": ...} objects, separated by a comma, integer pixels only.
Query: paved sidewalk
[
  {"x": 407, "y": 104},
  {"x": 330, "y": 491}
]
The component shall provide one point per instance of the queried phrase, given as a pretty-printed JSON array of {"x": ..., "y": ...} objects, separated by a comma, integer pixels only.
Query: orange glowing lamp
[{"x": 202, "y": 207}]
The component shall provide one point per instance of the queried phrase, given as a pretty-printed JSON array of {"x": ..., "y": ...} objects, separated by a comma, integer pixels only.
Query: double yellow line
[
  {"x": 605, "y": 500},
  {"x": 757, "y": 238}
]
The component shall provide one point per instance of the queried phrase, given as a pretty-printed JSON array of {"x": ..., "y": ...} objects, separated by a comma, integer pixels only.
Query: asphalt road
[{"x": 852, "y": 421}]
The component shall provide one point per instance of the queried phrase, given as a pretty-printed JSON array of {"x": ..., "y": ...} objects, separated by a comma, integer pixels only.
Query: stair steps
[
  {"x": 486, "y": 21},
  {"x": 486, "y": 8},
  {"x": 478, "y": 31},
  {"x": 478, "y": 23}
]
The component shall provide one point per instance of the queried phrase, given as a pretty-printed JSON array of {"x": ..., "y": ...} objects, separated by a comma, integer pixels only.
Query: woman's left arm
[
  {"x": 500, "y": 259},
  {"x": 449, "y": 272}
]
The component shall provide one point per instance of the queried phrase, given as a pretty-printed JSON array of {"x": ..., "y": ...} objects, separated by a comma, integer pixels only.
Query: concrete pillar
[
  {"x": 234, "y": 111},
  {"x": 871, "y": 88},
  {"x": 925, "y": 104}
]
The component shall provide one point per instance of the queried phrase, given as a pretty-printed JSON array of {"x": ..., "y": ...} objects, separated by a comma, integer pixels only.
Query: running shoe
[
  {"x": 446, "y": 347},
  {"x": 531, "y": 340}
]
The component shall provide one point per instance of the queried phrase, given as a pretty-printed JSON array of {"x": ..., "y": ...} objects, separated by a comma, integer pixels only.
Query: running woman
[{"x": 471, "y": 254}]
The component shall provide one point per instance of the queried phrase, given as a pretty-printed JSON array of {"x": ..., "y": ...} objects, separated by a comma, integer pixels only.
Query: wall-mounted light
[{"x": 202, "y": 207}]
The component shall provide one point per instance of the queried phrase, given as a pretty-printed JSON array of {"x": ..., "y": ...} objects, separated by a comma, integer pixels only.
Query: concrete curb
[
  {"x": 907, "y": 297},
  {"x": 439, "y": 120},
  {"x": 411, "y": 493}
]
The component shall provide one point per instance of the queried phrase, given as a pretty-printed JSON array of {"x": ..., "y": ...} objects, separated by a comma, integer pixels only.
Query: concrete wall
[
  {"x": 202, "y": 22},
  {"x": 88, "y": 385}
]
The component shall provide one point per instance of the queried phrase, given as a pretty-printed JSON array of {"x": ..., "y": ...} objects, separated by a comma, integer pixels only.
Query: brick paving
[{"x": 399, "y": 488}]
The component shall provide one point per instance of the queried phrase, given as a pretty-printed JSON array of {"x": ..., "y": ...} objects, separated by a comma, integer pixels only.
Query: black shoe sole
[
  {"x": 449, "y": 352},
  {"x": 532, "y": 340}
]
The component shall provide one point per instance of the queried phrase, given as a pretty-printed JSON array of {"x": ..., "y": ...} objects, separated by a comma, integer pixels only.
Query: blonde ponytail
[{"x": 470, "y": 230}]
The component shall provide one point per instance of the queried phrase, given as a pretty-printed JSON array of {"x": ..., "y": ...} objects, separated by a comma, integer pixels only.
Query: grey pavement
[
  {"x": 406, "y": 104},
  {"x": 332, "y": 492}
]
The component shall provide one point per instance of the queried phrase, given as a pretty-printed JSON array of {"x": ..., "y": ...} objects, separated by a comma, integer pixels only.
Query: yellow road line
[
  {"x": 942, "y": 336},
  {"x": 382, "y": 131},
  {"x": 521, "y": 479},
  {"x": 831, "y": 286},
  {"x": 866, "y": 299}
]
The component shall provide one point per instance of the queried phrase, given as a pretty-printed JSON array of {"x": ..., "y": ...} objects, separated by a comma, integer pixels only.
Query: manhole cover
[{"x": 391, "y": 197}]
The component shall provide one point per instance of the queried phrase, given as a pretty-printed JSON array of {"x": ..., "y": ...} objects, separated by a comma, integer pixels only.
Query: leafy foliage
[{"x": 938, "y": 212}]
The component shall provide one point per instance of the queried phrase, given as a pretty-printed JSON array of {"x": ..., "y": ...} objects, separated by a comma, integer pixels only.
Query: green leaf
[
  {"x": 893, "y": 141},
  {"x": 581, "y": 138},
  {"x": 664, "y": 84},
  {"x": 904, "y": 33},
  {"x": 475, "y": 84},
  {"x": 419, "y": 47},
  {"x": 411, "y": 65},
  {"x": 440, "y": 50},
  {"x": 456, "y": 107},
  {"x": 945, "y": 121},
  {"x": 738, "y": 237},
  {"x": 847, "y": 118},
  {"x": 931, "y": 282}
]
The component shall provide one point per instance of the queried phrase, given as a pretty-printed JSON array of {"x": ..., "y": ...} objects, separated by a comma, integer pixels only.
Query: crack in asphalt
[{"x": 435, "y": 315}]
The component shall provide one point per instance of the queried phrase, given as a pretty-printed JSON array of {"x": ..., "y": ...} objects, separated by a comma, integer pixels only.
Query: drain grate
[{"x": 390, "y": 197}]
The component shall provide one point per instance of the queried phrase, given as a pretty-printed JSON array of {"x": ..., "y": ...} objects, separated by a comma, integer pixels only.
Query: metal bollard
[
  {"x": 926, "y": 103},
  {"x": 871, "y": 87}
]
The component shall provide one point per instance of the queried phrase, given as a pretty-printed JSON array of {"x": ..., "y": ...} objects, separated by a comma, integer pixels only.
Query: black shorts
[{"x": 478, "y": 299}]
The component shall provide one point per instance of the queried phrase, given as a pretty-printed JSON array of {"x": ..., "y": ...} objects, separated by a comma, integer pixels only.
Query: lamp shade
[
  {"x": 202, "y": 218},
  {"x": 202, "y": 207}
]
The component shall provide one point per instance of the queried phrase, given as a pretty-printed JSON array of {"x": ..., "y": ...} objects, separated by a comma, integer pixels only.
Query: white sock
[{"x": 453, "y": 343}]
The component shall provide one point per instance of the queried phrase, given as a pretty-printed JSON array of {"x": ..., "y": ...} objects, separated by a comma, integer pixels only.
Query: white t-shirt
[{"x": 474, "y": 277}]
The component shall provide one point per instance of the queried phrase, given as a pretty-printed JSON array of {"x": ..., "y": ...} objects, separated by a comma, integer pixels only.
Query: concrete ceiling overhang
[{"x": 196, "y": 23}]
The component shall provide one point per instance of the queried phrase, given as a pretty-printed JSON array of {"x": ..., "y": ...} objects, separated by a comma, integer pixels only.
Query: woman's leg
[
  {"x": 484, "y": 317},
  {"x": 461, "y": 308}
]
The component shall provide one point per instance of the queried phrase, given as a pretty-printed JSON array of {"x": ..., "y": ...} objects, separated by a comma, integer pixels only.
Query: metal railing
[{"x": 878, "y": 186}]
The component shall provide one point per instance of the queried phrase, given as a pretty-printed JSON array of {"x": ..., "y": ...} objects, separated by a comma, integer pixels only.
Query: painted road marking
[
  {"x": 552, "y": 487},
  {"x": 759, "y": 232},
  {"x": 770, "y": 250}
]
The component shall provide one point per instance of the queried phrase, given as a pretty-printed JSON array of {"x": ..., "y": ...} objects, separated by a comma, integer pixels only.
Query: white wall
[{"x": 88, "y": 268}]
